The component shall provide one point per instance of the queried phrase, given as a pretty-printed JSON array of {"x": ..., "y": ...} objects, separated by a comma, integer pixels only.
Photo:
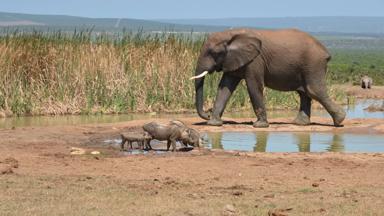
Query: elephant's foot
[
  {"x": 302, "y": 119},
  {"x": 338, "y": 118},
  {"x": 215, "y": 122},
  {"x": 260, "y": 124}
]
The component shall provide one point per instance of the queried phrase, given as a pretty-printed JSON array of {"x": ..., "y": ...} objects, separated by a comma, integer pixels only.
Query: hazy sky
[{"x": 153, "y": 9}]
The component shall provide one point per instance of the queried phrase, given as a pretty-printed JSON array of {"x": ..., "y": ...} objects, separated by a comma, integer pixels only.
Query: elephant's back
[{"x": 287, "y": 40}]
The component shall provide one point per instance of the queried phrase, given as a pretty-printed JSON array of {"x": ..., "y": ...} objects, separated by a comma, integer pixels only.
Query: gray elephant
[
  {"x": 366, "y": 82},
  {"x": 285, "y": 60},
  {"x": 172, "y": 132}
]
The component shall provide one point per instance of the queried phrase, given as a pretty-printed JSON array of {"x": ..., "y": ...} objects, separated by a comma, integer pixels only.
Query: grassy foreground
[{"x": 60, "y": 73}]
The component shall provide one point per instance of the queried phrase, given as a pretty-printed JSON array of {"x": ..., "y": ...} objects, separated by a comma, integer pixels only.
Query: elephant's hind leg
[
  {"x": 316, "y": 89},
  {"x": 304, "y": 115}
]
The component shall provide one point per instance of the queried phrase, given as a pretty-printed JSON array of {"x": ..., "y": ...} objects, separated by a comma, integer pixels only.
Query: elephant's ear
[{"x": 241, "y": 50}]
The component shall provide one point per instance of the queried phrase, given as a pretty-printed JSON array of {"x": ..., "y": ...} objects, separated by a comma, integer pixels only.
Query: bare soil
[
  {"x": 39, "y": 176},
  {"x": 356, "y": 91}
]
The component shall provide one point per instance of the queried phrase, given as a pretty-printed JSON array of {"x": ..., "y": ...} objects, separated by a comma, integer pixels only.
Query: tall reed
[{"x": 83, "y": 72}]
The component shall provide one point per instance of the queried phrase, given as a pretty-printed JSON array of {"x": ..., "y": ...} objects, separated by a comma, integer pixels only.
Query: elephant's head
[{"x": 223, "y": 51}]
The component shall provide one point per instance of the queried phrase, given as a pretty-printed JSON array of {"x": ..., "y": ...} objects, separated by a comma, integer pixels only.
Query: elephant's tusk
[{"x": 199, "y": 76}]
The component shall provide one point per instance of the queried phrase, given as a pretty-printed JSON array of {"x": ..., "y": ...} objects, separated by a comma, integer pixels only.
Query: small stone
[
  {"x": 229, "y": 208},
  {"x": 269, "y": 196},
  {"x": 95, "y": 152},
  {"x": 193, "y": 195},
  {"x": 315, "y": 184},
  {"x": 237, "y": 193},
  {"x": 77, "y": 151},
  {"x": 12, "y": 162},
  {"x": 6, "y": 171},
  {"x": 279, "y": 212}
]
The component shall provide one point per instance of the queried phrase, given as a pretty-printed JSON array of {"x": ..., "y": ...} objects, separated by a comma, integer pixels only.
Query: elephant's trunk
[{"x": 199, "y": 87}]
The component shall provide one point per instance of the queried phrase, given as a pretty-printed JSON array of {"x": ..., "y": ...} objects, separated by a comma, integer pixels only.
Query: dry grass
[
  {"x": 100, "y": 195},
  {"x": 56, "y": 73}
]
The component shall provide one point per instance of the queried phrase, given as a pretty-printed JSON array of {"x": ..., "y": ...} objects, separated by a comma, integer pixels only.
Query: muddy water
[
  {"x": 358, "y": 110},
  {"x": 276, "y": 142},
  {"x": 353, "y": 111},
  {"x": 294, "y": 142}
]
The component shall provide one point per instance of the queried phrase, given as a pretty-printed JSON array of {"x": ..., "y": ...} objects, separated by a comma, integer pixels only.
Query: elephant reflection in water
[
  {"x": 337, "y": 144},
  {"x": 303, "y": 141},
  {"x": 261, "y": 142},
  {"x": 216, "y": 140}
]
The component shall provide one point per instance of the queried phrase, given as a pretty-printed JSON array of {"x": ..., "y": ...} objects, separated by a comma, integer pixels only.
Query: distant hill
[
  {"x": 317, "y": 25},
  {"x": 63, "y": 22},
  {"x": 359, "y": 25}
]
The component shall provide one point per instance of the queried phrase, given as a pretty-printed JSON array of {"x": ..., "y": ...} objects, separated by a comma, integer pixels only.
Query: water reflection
[
  {"x": 337, "y": 144},
  {"x": 303, "y": 141},
  {"x": 353, "y": 111},
  {"x": 215, "y": 140},
  {"x": 295, "y": 142},
  {"x": 261, "y": 142}
]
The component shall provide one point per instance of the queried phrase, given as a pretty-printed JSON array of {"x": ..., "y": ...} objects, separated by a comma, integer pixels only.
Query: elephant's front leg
[
  {"x": 255, "y": 89},
  {"x": 227, "y": 85}
]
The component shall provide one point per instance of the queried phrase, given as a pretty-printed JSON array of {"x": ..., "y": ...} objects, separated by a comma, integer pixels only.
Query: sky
[{"x": 184, "y": 9}]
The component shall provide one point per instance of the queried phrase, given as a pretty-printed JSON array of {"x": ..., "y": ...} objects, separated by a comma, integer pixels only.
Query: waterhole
[
  {"x": 294, "y": 142},
  {"x": 356, "y": 110},
  {"x": 278, "y": 142}
]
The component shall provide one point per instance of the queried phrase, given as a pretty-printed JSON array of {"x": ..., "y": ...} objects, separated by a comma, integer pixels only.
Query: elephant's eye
[{"x": 213, "y": 53}]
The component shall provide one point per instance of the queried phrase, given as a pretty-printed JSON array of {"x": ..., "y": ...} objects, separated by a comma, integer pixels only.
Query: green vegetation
[
  {"x": 347, "y": 66},
  {"x": 61, "y": 73}
]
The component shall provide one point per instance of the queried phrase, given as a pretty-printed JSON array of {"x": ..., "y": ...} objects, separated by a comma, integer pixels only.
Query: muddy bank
[
  {"x": 356, "y": 91},
  {"x": 39, "y": 176}
]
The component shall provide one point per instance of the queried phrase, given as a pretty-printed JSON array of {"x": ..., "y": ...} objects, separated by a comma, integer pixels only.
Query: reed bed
[{"x": 59, "y": 73}]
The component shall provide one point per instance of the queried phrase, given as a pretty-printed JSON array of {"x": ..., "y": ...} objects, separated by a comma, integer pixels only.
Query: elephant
[
  {"x": 285, "y": 60},
  {"x": 172, "y": 132},
  {"x": 366, "y": 82},
  {"x": 142, "y": 140}
]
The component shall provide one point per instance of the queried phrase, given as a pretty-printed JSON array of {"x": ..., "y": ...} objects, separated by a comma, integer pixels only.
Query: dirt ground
[
  {"x": 39, "y": 176},
  {"x": 357, "y": 91}
]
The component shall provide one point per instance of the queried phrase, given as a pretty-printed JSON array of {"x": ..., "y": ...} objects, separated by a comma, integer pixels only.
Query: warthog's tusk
[{"x": 199, "y": 76}]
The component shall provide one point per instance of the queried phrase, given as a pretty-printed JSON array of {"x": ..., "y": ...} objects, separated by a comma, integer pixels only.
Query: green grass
[
  {"x": 51, "y": 73},
  {"x": 347, "y": 66}
]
